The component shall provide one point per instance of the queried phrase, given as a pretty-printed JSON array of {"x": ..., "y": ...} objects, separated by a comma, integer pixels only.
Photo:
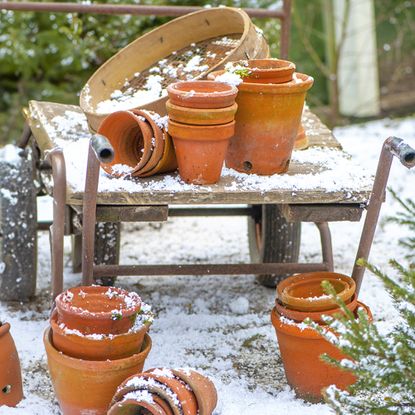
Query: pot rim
[
  {"x": 71, "y": 310},
  {"x": 201, "y": 132},
  {"x": 4, "y": 328},
  {"x": 292, "y": 328},
  {"x": 190, "y": 110},
  {"x": 103, "y": 365},
  {"x": 225, "y": 90}
]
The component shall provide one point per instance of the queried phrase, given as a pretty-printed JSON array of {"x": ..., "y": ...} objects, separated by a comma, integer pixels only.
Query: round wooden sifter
[{"x": 188, "y": 47}]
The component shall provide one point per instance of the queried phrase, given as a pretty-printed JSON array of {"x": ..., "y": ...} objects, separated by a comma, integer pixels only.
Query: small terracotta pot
[
  {"x": 200, "y": 150},
  {"x": 118, "y": 346},
  {"x": 202, "y": 387},
  {"x": 98, "y": 310},
  {"x": 301, "y": 140},
  {"x": 85, "y": 386},
  {"x": 157, "y": 386},
  {"x": 202, "y": 94},
  {"x": 168, "y": 161},
  {"x": 316, "y": 316},
  {"x": 300, "y": 350},
  {"x": 201, "y": 116},
  {"x": 11, "y": 390},
  {"x": 131, "y": 138},
  {"x": 303, "y": 292},
  {"x": 134, "y": 406},
  {"x": 269, "y": 71}
]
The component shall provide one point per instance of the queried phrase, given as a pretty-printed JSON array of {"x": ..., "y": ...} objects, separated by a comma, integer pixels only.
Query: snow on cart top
[{"x": 323, "y": 173}]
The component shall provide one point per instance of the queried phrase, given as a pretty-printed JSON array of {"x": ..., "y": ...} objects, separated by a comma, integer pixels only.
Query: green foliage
[{"x": 384, "y": 364}]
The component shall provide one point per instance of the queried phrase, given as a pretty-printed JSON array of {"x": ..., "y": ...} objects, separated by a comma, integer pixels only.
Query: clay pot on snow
[
  {"x": 303, "y": 292},
  {"x": 98, "y": 310},
  {"x": 11, "y": 390},
  {"x": 300, "y": 349},
  {"x": 86, "y": 386},
  {"x": 97, "y": 346},
  {"x": 198, "y": 116},
  {"x": 141, "y": 147},
  {"x": 269, "y": 71},
  {"x": 301, "y": 140},
  {"x": 177, "y": 391},
  {"x": 201, "y": 94},
  {"x": 299, "y": 316},
  {"x": 201, "y": 150}
]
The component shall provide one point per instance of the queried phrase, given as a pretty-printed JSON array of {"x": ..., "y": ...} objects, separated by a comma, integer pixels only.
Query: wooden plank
[
  {"x": 304, "y": 183},
  {"x": 322, "y": 213},
  {"x": 132, "y": 213}
]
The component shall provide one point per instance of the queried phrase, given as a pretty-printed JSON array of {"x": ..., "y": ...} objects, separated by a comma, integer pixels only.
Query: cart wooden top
[{"x": 323, "y": 173}]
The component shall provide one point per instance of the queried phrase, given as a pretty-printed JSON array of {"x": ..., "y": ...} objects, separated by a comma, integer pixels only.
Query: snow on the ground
[{"x": 216, "y": 324}]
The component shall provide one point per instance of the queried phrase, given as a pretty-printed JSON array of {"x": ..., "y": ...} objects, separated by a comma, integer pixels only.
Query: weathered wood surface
[
  {"x": 321, "y": 174},
  {"x": 322, "y": 213}
]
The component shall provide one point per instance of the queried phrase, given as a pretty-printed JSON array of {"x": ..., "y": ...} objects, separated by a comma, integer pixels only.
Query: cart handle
[
  {"x": 393, "y": 146},
  {"x": 102, "y": 148},
  {"x": 401, "y": 150}
]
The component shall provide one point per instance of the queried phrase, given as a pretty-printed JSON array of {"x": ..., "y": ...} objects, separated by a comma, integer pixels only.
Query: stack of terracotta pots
[
  {"x": 11, "y": 390},
  {"x": 300, "y": 297},
  {"x": 141, "y": 142},
  {"x": 201, "y": 122},
  {"x": 270, "y": 104},
  {"x": 165, "y": 392},
  {"x": 97, "y": 338}
]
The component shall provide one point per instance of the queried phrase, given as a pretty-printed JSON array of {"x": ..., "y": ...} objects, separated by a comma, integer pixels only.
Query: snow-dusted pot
[
  {"x": 98, "y": 310},
  {"x": 301, "y": 347},
  {"x": 11, "y": 390}
]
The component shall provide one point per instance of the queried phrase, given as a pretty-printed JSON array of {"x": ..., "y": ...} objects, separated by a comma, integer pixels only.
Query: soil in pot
[
  {"x": 300, "y": 349},
  {"x": 303, "y": 292},
  {"x": 98, "y": 310},
  {"x": 202, "y": 94},
  {"x": 85, "y": 386},
  {"x": 200, "y": 150},
  {"x": 11, "y": 390}
]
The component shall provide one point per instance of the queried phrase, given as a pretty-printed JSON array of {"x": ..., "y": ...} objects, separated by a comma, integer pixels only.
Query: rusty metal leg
[
  {"x": 89, "y": 217},
  {"x": 326, "y": 245},
  {"x": 57, "y": 228}
]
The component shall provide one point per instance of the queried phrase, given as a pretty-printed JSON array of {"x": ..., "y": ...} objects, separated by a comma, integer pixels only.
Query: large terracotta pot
[
  {"x": 11, "y": 390},
  {"x": 267, "y": 123},
  {"x": 316, "y": 316},
  {"x": 98, "y": 310},
  {"x": 303, "y": 292},
  {"x": 200, "y": 150},
  {"x": 85, "y": 386},
  {"x": 96, "y": 347},
  {"x": 300, "y": 349},
  {"x": 202, "y": 94},
  {"x": 269, "y": 71},
  {"x": 201, "y": 116}
]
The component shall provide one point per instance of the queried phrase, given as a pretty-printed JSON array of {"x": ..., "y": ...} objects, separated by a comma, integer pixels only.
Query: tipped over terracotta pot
[{"x": 98, "y": 310}]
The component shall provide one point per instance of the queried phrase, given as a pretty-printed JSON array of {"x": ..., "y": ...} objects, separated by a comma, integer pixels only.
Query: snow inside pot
[
  {"x": 98, "y": 310},
  {"x": 185, "y": 48}
]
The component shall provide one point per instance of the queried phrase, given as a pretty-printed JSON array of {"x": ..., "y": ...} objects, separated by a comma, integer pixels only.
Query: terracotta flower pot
[
  {"x": 269, "y": 71},
  {"x": 202, "y": 387},
  {"x": 201, "y": 116},
  {"x": 11, "y": 390},
  {"x": 98, "y": 310},
  {"x": 200, "y": 150},
  {"x": 134, "y": 406},
  {"x": 301, "y": 140},
  {"x": 300, "y": 349},
  {"x": 131, "y": 138},
  {"x": 316, "y": 316},
  {"x": 202, "y": 94},
  {"x": 96, "y": 347},
  {"x": 86, "y": 386},
  {"x": 171, "y": 389},
  {"x": 303, "y": 292}
]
